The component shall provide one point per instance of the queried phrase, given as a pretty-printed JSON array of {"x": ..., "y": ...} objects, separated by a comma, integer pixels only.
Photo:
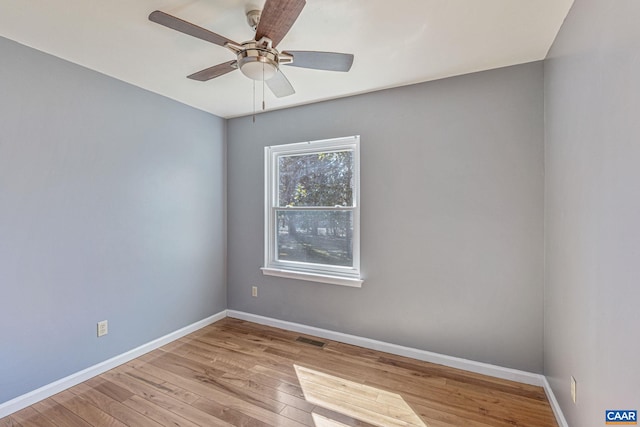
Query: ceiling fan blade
[
  {"x": 188, "y": 28},
  {"x": 215, "y": 71},
  {"x": 280, "y": 86},
  {"x": 330, "y": 61},
  {"x": 277, "y": 18}
]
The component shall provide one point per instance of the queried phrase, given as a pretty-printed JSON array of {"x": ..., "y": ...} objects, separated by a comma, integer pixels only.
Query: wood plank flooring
[{"x": 236, "y": 373}]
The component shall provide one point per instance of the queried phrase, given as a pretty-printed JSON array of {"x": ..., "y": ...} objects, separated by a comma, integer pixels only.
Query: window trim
[{"x": 337, "y": 275}]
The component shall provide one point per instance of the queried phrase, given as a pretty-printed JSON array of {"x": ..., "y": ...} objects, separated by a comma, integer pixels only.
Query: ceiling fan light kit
[
  {"x": 258, "y": 59},
  {"x": 257, "y": 66}
]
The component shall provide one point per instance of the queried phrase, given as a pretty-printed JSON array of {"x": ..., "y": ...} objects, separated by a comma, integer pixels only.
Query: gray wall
[
  {"x": 112, "y": 206},
  {"x": 452, "y": 216},
  {"x": 592, "y": 111}
]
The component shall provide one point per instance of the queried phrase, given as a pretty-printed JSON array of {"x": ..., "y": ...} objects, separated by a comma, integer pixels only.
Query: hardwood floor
[{"x": 236, "y": 373}]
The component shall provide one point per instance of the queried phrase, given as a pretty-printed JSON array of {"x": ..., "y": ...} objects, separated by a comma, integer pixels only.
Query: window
[{"x": 312, "y": 212}]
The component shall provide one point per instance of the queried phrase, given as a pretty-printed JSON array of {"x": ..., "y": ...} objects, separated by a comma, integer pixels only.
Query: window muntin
[{"x": 312, "y": 209}]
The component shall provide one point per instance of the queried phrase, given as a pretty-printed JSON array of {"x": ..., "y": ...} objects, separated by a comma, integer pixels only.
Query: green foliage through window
[{"x": 318, "y": 179}]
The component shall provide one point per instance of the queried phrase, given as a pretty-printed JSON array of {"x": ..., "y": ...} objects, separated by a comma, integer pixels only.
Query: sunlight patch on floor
[{"x": 359, "y": 401}]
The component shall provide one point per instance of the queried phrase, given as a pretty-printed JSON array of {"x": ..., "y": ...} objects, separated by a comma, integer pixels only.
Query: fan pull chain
[
  {"x": 254, "y": 101},
  {"x": 263, "y": 104}
]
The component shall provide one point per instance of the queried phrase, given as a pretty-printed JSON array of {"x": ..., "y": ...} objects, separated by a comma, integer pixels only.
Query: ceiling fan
[{"x": 259, "y": 59}]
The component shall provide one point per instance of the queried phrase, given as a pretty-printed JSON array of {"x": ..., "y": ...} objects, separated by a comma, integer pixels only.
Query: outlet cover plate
[{"x": 103, "y": 328}]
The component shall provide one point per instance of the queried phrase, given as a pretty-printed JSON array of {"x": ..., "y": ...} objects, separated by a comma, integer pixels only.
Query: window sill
[{"x": 313, "y": 277}]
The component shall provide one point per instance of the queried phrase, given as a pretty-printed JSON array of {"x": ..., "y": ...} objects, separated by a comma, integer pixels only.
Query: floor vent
[{"x": 310, "y": 341}]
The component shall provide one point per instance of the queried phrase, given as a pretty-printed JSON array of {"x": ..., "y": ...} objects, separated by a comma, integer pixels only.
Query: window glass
[
  {"x": 319, "y": 237},
  {"x": 318, "y": 179}
]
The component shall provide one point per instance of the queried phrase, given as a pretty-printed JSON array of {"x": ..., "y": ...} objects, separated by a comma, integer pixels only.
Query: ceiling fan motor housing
[{"x": 259, "y": 60}]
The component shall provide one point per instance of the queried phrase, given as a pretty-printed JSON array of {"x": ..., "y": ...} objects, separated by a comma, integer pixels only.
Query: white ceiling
[{"x": 395, "y": 43}]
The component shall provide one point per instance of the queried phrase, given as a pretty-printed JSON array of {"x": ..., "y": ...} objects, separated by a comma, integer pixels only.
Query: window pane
[
  {"x": 319, "y": 237},
  {"x": 318, "y": 179}
]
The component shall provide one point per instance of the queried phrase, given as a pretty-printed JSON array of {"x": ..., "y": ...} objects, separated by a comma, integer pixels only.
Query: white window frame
[{"x": 337, "y": 275}]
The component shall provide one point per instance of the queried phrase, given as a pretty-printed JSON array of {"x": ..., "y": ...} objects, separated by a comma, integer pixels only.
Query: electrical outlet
[
  {"x": 254, "y": 291},
  {"x": 573, "y": 389},
  {"x": 103, "y": 328}
]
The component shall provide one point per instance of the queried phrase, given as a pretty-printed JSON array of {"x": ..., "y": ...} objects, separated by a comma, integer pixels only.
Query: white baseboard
[
  {"x": 427, "y": 356},
  {"x": 555, "y": 406},
  {"x": 49, "y": 390}
]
